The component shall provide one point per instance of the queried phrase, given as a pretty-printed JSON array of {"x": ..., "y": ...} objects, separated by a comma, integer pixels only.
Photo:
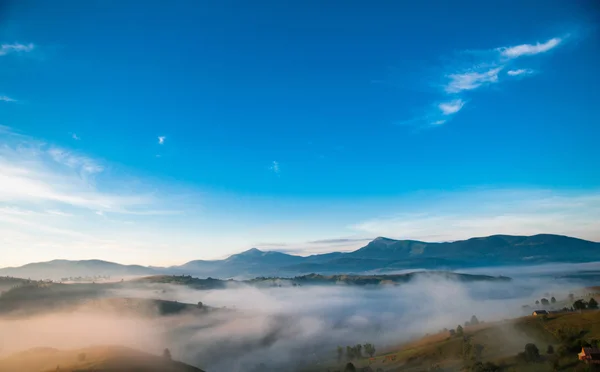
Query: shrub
[
  {"x": 532, "y": 353},
  {"x": 579, "y": 305},
  {"x": 350, "y": 368}
]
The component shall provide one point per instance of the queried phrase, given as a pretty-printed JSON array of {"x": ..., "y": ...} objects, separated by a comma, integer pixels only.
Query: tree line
[{"x": 355, "y": 352}]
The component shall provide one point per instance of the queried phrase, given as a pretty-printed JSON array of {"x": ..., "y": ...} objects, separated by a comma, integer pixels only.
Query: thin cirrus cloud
[
  {"x": 38, "y": 174},
  {"x": 462, "y": 215},
  {"x": 275, "y": 167},
  {"x": 161, "y": 140},
  {"x": 7, "y": 99},
  {"x": 451, "y": 107},
  {"x": 471, "y": 80},
  {"x": 49, "y": 197},
  {"x": 486, "y": 71},
  {"x": 16, "y": 48},
  {"x": 529, "y": 49},
  {"x": 521, "y": 71}
]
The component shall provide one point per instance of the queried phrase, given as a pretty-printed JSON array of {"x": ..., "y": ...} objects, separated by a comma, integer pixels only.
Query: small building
[
  {"x": 539, "y": 312},
  {"x": 590, "y": 355}
]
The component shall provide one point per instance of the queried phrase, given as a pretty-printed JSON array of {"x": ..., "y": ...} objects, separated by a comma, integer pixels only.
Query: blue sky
[{"x": 171, "y": 132}]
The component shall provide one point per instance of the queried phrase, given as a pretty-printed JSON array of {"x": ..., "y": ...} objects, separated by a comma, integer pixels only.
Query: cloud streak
[
  {"x": 529, "y": 49},
  {"x": 161, "y": 140},
  {"x": 7, "y": 99},
  {"x": 15, "y": 48},
  {"x": 275, "y": 167},
  {"x": 32, "y": 171},
  {"x": 521, "y": 71},
  {"x": 451, "y": 107},
  {"x": 471, "y": 80},
  {"x": 480, "y": 213},
  {"x": 464, "y": 78}
]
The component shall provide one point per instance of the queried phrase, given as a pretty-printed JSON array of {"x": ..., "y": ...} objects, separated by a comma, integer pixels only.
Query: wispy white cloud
[
  {"x": 451, "y": 107},
  {"x": 16, "y": 48},
  {"x": 34, "y": 172},
  {"x": 471, "y": 80},
  {"x": 275, "y": 167},
  {"x": 457, "y": 216},
  {"x": 56, "y": 212},
  {"x": 161, "y": 140},
  {"x": 75, "y": 136},
  {"x": 49, "y": 197},
  {"x": 82, "y": 163},
  {"x": 482, "y": 69},
  {"x": 7, "y": 99},
  {"x": 529, "y": 49},
  {"x": 521, "y": 71}
]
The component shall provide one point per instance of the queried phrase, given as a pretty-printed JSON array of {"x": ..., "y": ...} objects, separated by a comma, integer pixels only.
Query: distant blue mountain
[{"x": 379, "y": 255}]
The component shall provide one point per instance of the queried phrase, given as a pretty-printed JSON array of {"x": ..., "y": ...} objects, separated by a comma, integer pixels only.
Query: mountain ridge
[{"x": 381, "y": 254}]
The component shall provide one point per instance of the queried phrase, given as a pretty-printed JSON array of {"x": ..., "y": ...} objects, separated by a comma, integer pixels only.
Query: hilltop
[
  {"x": 380, "y": 255},
  {"x": 98, "y": 358}
]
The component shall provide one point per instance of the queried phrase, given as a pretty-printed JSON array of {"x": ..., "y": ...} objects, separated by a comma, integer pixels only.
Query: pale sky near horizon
[{"x": 160, "y": 134}]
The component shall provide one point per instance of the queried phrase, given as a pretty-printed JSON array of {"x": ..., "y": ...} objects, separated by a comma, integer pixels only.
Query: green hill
[
  {"x": 499, "y": 343},
  {"x": 98, "y": 358}
]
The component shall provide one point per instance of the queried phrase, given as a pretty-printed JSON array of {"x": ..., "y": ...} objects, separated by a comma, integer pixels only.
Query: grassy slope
[
  {"x": 108, "y": 358},
  {"x": 502, "y": 342}
]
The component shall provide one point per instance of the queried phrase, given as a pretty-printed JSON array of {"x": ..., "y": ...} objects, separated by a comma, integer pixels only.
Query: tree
[
  {"x": 467, "y": 349},
  {"x": 452, "y": 333},
  {"x": 553, "y": 300},
  {"x": 592, "y": 304},
  {"x": 571, "y": 297},
  {"x": 358, "y": 350},
  {"x": 459, "y": 330},
  {"x": 537, "y": 302},
  {"x": 200, "y": 305},
  {"x": 474, "y": 320},
  {"x": 340, "y": 353},
  {"x": 369, "y": 349},
  {"x": 550, "y": 349},
  {"x": 349, "y": 353},
  {"x": 579, "y": 305},
  {"x": 545, "y": 302},
  {"x": 532, "y": 353},
  {"x": 167, "y": 354},
  {"x": 350, "y": 368}
]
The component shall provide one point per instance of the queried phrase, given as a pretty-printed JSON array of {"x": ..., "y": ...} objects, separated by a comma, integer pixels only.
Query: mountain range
[{"x": 378, "y": 256}]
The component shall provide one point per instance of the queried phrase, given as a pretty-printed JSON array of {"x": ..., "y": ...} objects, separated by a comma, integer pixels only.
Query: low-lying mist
[{"x": 282, "y": 328}]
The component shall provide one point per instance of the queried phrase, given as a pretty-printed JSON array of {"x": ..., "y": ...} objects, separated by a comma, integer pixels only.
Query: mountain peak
[
  {"x": 384, "y": 240},
  {"x": 252, "y": 251}
]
